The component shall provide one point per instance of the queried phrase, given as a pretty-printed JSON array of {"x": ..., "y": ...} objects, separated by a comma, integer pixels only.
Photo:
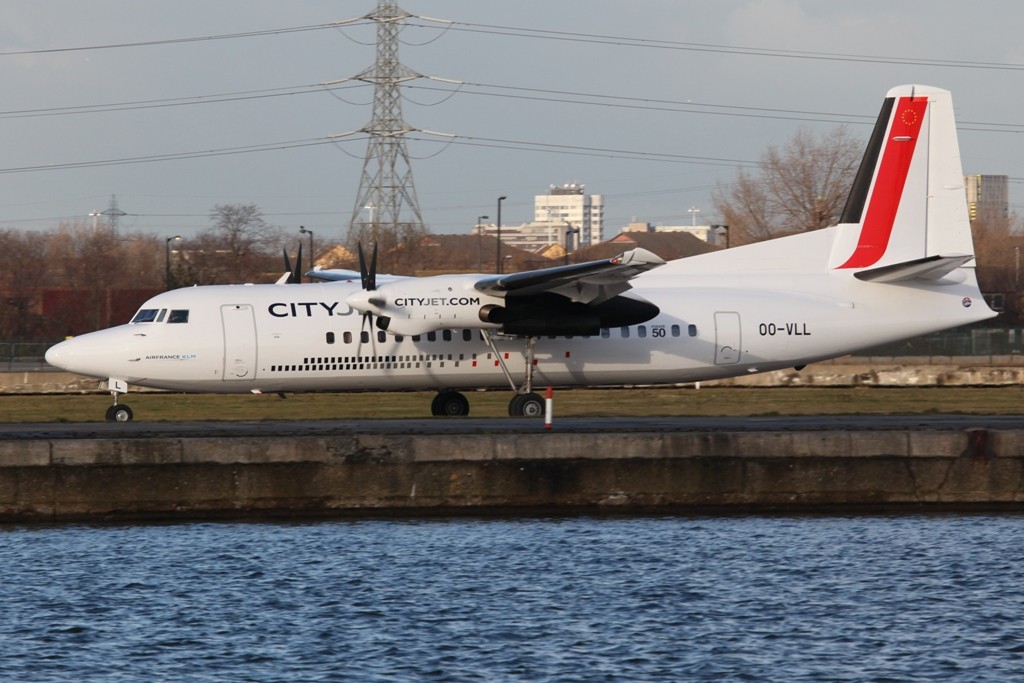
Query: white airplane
[{"x": 898, "y": 265}]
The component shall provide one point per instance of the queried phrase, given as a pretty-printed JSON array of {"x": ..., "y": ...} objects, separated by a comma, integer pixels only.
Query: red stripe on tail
[{"x": 892, "y": 177}]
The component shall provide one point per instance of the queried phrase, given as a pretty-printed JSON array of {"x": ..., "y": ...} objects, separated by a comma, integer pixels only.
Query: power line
[
  {"x": 174, "y": 156},
  {"x": 191, "y": 39},
  {"x": 179, "y": 101},
  {"x": 625, "y": 41},
  {"x": 513, "y": 92}
]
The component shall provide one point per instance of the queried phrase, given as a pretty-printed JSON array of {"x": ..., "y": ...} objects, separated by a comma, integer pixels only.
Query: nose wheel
[{"x": 119, "y": 412}]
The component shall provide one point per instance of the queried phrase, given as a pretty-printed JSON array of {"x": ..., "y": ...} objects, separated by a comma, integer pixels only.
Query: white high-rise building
[{"x": 570, "y": 204}]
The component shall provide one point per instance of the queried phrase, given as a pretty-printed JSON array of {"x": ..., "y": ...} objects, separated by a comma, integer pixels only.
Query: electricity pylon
[
  {"x": 386, "y": 209},
  {"x": 113, "y": 213}
]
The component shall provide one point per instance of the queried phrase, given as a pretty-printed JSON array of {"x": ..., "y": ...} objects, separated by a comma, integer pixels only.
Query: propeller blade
[
  {"x": 372, "y": 276},
  {"x": 287, "y": 264},
  {"x": 294, "y": 275},
  {"x": 363, "y": 275}
]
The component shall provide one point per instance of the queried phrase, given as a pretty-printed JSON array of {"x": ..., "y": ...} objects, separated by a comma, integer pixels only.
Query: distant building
[
  {"x": 570, "y": 204},
  {"x": 988, "y": 196},
  {"x": 667, "y": 245},
  {"x": 535, "y": 237},
  {"x": 712, "y": 234}
]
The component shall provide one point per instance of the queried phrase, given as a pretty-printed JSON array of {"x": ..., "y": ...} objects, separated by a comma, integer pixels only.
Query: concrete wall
[{"x": 171, "y": 478}]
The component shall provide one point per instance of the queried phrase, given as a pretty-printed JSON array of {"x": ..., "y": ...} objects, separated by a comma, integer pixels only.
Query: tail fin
[{"x": 908, "y": 201}]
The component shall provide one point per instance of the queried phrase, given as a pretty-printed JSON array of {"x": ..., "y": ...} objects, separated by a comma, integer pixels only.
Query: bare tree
[
  {"x": 799, "y": 187},
  {"x": 22, "y": 273},
  {"x": 240, "y": 247}
]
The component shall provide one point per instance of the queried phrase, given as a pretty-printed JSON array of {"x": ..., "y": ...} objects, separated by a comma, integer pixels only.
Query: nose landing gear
[{"x": 119, "y": 412}]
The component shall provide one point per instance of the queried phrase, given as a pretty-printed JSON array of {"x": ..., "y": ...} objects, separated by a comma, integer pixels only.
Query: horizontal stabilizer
[{"x": 928, "y": 268}]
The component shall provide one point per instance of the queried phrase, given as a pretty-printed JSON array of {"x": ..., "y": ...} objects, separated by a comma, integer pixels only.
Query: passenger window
[
  {"x": 347, "y": 337},
  {"x": 364, "y": 337},
  {"x": 467, "y": 335},
  {"x": 446, "y": 335},
  {"x": 431, "y": 336},
  {"x": 625, "y": 332},
  {"x": 146, "y": 315},
  {"x": 330, "y": 337},
  {"x": 179, "y": 316},
  {"x": 691, "y": 330},
  {"x": 675, "y": 330},
  {"x": 382, "y": 336},
  {"x": 605, "y": 333},
  {"x": 641, "y": 331}
]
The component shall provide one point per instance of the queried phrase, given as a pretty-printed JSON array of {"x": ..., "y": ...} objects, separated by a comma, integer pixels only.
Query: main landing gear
[
  {"x": 450, "y": 403},
  {"x": 525, "y": 403},
  {"x": 119, "y": 412}
]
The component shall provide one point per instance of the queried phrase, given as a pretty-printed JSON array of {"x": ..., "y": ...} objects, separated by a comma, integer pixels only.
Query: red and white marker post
[{"x": 549, "y": 403}]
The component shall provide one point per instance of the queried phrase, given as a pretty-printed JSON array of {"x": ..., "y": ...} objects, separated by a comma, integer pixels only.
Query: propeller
[
  {"x": 368, "y": 278},
  {"x": 293, "y": 276}
]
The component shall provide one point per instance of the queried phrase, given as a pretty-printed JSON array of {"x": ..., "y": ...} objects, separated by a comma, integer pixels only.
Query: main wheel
[
  {"x": 526, "y": 405},
  {"x": 449, "y": 404},
  {"x": 119, "y": 413}
]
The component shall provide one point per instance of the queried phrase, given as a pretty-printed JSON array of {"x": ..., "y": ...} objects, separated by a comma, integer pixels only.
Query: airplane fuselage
[{"x": 283, "y": 338}]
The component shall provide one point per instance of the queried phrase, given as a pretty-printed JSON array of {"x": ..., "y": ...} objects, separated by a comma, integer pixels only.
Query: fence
[
  {"x": 972, "y": 341},
  {"x": 24, "y": 356}
]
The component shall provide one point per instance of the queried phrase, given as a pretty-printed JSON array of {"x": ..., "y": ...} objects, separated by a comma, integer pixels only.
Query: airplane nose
[
  {"x": 96, "y": 354},
  {"x": 57, "y": 354}
]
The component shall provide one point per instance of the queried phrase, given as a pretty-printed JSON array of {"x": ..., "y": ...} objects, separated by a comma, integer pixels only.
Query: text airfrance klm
[{"x": 788, "y": 329}]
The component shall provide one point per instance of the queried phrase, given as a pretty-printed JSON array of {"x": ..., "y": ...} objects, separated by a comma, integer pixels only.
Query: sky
[{"x": 650, "y": 103}]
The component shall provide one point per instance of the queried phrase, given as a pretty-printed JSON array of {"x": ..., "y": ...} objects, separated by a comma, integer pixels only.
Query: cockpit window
[
  {"x": 146, "y": 315},
  {"x": 179, "y": 316}
]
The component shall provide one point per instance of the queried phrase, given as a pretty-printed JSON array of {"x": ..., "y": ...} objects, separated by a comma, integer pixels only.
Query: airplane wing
[
  {"x": 588, "y": 283},
  {"x": 333, "y": 274},
  {"x": 343, "y": 275}
]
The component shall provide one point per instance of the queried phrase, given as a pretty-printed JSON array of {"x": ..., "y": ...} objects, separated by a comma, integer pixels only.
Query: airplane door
[
  {"x": 727, "y": 338},
  {"x": 239, "y": 342}
]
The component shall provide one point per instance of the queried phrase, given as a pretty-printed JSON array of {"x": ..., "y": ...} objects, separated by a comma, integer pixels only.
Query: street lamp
[
  {"x": 1016, "y": 272},
  {"x": 693, "y": 215},
  {"x": 569, "y": 232},
  {"x": 497, "y": 256},
  {"x": 479, "y": 240},
  {"x": 167, "y": 260},
  {"x": 304, "y": 231}
]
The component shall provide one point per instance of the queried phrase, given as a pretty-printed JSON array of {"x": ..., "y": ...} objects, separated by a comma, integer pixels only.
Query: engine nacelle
[
  {"x": 411, "y": 308},
  {"x": 550, "y": 314}
]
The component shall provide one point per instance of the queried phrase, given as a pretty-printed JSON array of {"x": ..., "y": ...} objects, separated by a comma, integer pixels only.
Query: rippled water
[{"x": 910, "y": 598}]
